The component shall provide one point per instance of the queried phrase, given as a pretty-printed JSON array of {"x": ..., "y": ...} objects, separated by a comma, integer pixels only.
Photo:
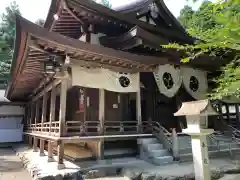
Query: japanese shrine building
[{"x": 99, "y": 77}]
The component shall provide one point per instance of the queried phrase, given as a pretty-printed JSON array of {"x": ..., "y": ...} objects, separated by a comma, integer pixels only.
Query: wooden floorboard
[{"x": 77, "y": 139}]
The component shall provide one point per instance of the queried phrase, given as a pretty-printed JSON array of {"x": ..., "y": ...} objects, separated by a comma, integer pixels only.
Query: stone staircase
[{"x": 152, "y": 150}]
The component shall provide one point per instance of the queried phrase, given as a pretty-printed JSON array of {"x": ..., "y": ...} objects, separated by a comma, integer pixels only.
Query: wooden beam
[
  {"x": 34, "y": 45},
  {"x": 47, "y": 88},
  {"x": 52, "y": 107},
  {"x": 65, "y": 6},
  {"x": 108, "y": 66}
]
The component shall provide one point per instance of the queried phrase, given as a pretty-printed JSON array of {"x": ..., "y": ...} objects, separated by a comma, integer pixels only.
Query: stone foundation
[{"x": 41, "y": 169}]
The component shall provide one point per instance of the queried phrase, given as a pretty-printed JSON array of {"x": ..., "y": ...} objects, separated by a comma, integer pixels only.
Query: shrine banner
[
  {"x": 101, "y": 78},
  {"x": 81, "y": 107}
]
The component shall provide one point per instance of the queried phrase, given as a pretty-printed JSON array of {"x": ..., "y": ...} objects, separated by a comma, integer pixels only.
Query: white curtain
[
  {"x": 104, "y": 79},
  {"x": 201, "y": 76},
  {"x": 176, "y": 78}
]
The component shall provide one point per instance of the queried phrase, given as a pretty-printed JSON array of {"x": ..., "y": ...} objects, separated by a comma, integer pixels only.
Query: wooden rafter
[{"x": 65, "y": 6}]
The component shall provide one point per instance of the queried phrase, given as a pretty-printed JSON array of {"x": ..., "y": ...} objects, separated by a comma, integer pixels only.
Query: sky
[{"x": 38, "y": 9}]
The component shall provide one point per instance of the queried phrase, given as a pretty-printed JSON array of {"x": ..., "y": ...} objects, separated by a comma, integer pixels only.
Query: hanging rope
[{"x": 195, "y": 82}]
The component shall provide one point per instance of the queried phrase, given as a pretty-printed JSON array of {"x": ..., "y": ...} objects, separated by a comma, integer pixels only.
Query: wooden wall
[
  {"x": 83, "y": 105},
  {"x": 159, "y": 107}
]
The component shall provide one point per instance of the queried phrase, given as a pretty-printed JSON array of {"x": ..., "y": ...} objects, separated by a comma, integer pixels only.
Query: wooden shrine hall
[{"x": 87, "y": 76}]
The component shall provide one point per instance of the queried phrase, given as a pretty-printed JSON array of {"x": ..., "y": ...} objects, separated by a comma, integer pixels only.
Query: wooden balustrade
[
  {"x": 121, "y": 127},
  {"x": 94, "y": 128},
  {"x": 44, "y": 127}
]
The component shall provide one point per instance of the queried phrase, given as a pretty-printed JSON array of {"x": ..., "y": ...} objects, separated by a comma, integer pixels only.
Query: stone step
[
  {"x": 154, "y": 146},
  {"x": 119, "y": 152},
  {"x": 185, "y": 150},
  {"x": 158, "y": 153},
  {"x": 147, "y": 141},
  {"x": 162, "y": 160}
]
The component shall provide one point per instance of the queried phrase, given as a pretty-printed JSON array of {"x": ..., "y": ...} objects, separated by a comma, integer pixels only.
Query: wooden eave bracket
[{"x": 65, "y": 6}]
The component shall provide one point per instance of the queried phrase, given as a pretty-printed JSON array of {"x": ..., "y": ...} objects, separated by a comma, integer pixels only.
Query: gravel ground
[
  {"x": 112, "y": 178},
  {"x": 11, "y": 167}
]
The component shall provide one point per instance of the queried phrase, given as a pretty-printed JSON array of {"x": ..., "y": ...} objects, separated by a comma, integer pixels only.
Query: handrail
[
  {"x": 235, "y": 131},
  {"x": 162, "y": 134}
]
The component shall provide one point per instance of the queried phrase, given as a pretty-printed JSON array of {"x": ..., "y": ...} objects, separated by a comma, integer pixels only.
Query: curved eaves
[
  {"x": 134, "y": 7},
  {"x": 19, "y": 49},
  {"x": 55, "y": 5},
  {"x": 134, "y": 33},
  {"x": 170, "y": 17}
]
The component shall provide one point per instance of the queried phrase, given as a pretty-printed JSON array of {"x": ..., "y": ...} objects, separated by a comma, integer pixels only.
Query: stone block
[
  {"x": 148, "y": 176},
  {"x": 132, "y": 173}
]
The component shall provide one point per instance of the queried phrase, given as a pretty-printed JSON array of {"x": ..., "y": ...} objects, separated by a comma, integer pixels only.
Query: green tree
[
  {"x": 217, "y": 25},
  {"x": 186, "y": 15},
  {"x": 7, "y": 36},
  {"x": 5, "y": 59},
  {"x": 8, "y": 23}
]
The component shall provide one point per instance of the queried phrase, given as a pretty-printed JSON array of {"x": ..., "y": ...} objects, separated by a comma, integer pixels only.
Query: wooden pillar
[
  {"x": 32, "y": 114},
  {"x": 50, "y": 151},
  {"x": 28, "y": 122},
  {"x": 138, "y": 107},
  {"x": 37, "y": 112},
  {"x": 101, "y": 121},
  {"x": 237, "y": 115},
  {"x": 41, "y": 153},
  {"x": 60, "y": 155},
  {"x": 35, "y": 144},
  {"x": 63, "y": 101},
  {"x": 228, "y": 113},
  {"x": 175, "y": 145},
  {"x": 52, "y": 107},
  {"x": 62, "y": 118},
  {"x": 101, "y": 109},
  {"x": 100, "y": 150},
  {"x": 44, "y": 109}
]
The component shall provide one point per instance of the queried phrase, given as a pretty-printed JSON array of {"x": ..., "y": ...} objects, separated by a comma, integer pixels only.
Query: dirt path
[{"x": 11, "y": 167}]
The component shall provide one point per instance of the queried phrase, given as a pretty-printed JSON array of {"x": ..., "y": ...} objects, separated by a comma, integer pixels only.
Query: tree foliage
[
  {"x": 7, "y": 25},
  {"x": 5, "y": 59},
  {"x": 218, "y": 27},
  {"x": 7, "y": 36}
]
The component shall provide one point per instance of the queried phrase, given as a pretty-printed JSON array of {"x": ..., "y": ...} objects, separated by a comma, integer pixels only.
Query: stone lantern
[{"x": 197, "y": 113}]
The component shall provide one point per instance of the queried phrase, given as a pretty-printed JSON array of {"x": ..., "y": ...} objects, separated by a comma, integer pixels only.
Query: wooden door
[
  {"x": 92, "y": 104},
  {"x": 112, "y": 106}
]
